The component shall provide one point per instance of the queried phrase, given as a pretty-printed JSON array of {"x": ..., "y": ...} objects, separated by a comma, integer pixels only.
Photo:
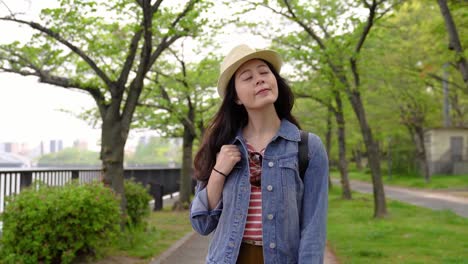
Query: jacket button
[
  {"x": 272, "y": 245},
  {"x": 270, "y": 217},
  {"x": 231, "y": 244},
  {"x": 271, "y": 164},
  {"x": 270, "y": 188}
]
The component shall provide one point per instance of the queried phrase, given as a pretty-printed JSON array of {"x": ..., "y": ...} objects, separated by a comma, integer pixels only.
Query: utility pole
[{"x": 447, "y": 121}]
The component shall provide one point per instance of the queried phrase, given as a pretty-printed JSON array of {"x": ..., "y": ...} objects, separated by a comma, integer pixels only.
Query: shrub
[
  {"x": 56, "y": 224},
  {"x": 138, "y": 199}
]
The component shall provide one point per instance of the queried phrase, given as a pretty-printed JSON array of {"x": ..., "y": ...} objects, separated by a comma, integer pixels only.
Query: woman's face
[{"x": 255, "y": 84}]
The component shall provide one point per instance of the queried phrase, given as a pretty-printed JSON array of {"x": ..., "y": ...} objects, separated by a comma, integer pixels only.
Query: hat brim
[{"x": 267, "y": 55}]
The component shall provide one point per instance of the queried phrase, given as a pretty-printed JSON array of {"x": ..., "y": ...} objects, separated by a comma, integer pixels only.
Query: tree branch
[
  {"x": 8, "y": 8},
  {"x": 309, "y": 30},
  {"x": 360, "y": 43},
  {"x": 129, "y": 60},
  {"x": 136, "y": 86},
  {"x": 45, "y": 77},
  {"x": 155, "y": 7},
  {"x": 72, "y": 47},
  {"x": 454, "y": 41},
  {"x": 439, "y": 78},
  {"x": 168, "y": 41},
  {"x": 319, "y": 100}
]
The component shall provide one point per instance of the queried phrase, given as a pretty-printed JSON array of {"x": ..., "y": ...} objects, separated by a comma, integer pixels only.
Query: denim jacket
[{"x": 294, "y": 212}]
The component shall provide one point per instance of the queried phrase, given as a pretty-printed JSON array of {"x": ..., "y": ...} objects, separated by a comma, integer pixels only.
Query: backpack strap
[{"x": 303, "y": 153}]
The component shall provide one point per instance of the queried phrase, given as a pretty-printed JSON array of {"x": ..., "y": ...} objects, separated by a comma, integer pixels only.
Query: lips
[{"x": 262, "y": 90}]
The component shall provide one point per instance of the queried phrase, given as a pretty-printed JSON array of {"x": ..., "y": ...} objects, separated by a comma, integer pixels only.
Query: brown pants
[{"x": 250, "y": 254}]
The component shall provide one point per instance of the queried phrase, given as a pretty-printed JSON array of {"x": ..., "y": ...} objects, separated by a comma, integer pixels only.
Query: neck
[{"x": 262, "y": 125}]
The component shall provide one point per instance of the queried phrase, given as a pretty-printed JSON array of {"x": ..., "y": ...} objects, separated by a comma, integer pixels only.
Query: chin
[{"x": 264, "y": 103}]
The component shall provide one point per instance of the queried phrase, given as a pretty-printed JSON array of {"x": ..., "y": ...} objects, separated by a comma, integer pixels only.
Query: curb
[{"x": 173, "y": 248}]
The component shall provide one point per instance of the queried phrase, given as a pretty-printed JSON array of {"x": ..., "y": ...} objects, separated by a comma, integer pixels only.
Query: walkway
[
  {"x": 193, "y": 248},
  {"x": 429, "y": 199}
]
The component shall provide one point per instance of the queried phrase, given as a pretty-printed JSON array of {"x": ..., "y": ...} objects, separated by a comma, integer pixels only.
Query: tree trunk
[
  {"x": 357, "y": 155},
  {"x": 113, "y": 138},
  {"x": 454, "y": 41},
  {"x": 342, "y": 163},
  {"x": 328, "y": 138},
  {"x": 389, "y": 158},
  {"x": 380, "y": 206},
  {"x": 185, "y": 189},
  {"x": 418, "y": 137}
]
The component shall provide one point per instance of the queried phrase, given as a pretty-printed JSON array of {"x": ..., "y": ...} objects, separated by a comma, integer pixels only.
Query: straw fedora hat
[{"x": 238, "y": 56}]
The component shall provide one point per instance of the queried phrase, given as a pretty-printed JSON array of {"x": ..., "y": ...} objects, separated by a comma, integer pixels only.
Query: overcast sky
[{"x": 30, "y": 111}]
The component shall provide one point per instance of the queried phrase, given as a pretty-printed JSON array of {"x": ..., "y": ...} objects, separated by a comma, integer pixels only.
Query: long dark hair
[{"x": 229, "y": 118}]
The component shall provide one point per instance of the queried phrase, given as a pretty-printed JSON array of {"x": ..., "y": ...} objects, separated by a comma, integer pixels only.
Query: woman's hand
[{"x": 227, "y": 157}]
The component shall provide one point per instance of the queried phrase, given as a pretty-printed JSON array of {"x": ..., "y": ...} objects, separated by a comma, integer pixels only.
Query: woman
[{"x": 250, "y": 192}]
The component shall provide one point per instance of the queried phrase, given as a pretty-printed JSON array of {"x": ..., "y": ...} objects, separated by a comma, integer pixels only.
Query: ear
[{"x": 238, "y": 102}]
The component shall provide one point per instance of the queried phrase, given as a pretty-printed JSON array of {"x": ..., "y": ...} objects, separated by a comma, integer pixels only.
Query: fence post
[
  {"x": 25, "y": 179},
  {"x": 156, "y": 190},
  {"x": 75, "y": 174}
]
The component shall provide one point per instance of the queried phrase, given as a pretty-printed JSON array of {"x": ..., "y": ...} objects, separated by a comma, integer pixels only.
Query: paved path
[
  {"x": 430, "y": 199},
  {"x": 192, "y": 249}
]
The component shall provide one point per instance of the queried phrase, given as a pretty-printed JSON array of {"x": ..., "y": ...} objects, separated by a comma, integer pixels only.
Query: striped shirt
[{"x": 253, "y": 226}]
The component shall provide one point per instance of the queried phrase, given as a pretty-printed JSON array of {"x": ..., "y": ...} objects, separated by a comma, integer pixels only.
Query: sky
[{"x": 31, "y": 112}]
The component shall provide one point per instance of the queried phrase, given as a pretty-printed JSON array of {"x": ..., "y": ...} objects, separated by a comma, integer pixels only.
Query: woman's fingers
[
  {"x": 228, "y": 156},
  {"x": 231, "y": 151}
]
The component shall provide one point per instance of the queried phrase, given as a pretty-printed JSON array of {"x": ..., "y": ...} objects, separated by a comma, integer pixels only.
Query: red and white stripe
[{"x": 253, "y": 226}]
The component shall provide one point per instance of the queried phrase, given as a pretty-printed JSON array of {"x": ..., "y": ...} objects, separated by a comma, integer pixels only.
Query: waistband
[{"x": 253, "y": 242}]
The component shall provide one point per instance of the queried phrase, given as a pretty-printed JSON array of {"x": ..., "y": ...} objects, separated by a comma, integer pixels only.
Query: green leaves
[
  {"x": 138, "y": 200},
  {"x": 52, "y": 224},
  {"x": 70, "y": 157}
]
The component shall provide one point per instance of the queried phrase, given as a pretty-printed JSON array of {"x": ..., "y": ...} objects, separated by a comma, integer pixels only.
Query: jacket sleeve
[
  {"x": 314, "y": 204},
  {"x": 203, "y": 220}
]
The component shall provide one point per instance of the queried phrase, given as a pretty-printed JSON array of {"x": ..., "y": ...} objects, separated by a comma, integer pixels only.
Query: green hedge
[
  {"x": 138, "y": 199},
  {"x": 56, "y": 224}
]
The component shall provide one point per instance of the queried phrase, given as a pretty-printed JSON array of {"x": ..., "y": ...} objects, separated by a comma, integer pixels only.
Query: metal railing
[{"x": 162, "y": 181}]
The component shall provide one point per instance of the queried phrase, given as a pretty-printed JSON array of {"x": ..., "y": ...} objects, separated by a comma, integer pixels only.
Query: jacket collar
[{"x": 287, "y": 130}]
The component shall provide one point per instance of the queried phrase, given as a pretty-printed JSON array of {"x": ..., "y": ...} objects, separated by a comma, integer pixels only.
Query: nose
[{"x": 260, "y": 80}]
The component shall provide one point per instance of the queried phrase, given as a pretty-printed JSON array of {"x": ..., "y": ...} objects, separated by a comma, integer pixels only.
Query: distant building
[
  {"x": 15, "y": 148},
  {"x": 11, "y": 147},
  {"x": 447, "y": 150},
  {"x": 52, "y": 146},
  {"x": 56, "y": 145}
]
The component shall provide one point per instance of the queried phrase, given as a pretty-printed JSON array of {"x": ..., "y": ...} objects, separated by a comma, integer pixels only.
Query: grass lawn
[
  {"x": 409, "y": 234},
  {"x": 164, "y": 229},
  {"x": 441, "y": 182}
]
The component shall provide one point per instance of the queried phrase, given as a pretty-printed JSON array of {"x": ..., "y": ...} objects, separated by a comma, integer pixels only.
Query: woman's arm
[
  {"x": 314, "y": 204},
  {"x": 206, "y": 206}
]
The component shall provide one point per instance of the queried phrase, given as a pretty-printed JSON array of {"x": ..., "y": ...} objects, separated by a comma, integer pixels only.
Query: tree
[
  {"x": 69, "y": 157},
  {"x": 155, "y": 151},
  {"x": 395, "y": 72},
  {"x": 454, "y": 40},
  {"x": 108, "y": 57},
  {"x": 405, "y": 54},
  {"x": 338, "y": 47},
  {"x": 333, "y": 102},
  {"x": 187, "y": 96}
]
